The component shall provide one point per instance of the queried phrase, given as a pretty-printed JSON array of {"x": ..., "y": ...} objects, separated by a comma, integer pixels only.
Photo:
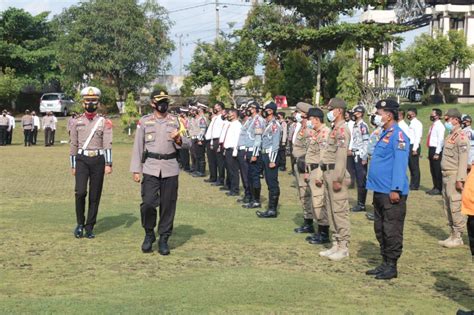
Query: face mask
[
  {"x": 214, "y": 111},
  {"x": 161, "y": 107},
  {"x": 432, "y": 118},
  {"x": 229, "y": 118},
  {"x": 264, "y": 114},
  {"x": 353, "y": 118},
  {"x": 4, "y": 115},
  {"x": 409, "y": 117},
  {"x": 378, "y": 120},
  {"x": 330, "y": 116},
  {"x": 223, "y": 117},
  {"x": 90, "y": 106},
  {"x": 448, "y": 125},
  {"x": 298, "y": 117},
  {"x": 309, "y": 125},
  {"x": 248, "y": 113}
]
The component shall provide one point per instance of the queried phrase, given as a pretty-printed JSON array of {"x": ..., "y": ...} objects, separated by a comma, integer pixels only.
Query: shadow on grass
[
  {"x": 109, "y": 223},
  {"x": 433, "y": 231},
  {"x": 454, "y": 288},
  {"x": 182, "y": 234},
  {"x": 370, "y": 251}
]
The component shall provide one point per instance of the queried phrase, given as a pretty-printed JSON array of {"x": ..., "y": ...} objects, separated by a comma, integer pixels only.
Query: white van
[{"x": 58, "y": 103}]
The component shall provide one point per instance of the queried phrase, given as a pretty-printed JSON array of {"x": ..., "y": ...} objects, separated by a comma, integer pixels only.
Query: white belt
[
  {"x": 267, "y": 151},
  {"x": 91, "y": 153},
  {"x": 194, "y": 137},
  {"x": 242, "y": 147},
  {"x": 250, "y": 149}
]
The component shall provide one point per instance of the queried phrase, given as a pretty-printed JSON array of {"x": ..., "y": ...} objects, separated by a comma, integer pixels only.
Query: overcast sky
[{"x": 193, "y": 19}]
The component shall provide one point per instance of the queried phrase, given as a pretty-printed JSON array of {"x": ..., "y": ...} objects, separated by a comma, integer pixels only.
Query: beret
[
  {"x": 337, "y": 103},
  {"x": 453, "y": 112},
  {"x": 303, "y": 107}
]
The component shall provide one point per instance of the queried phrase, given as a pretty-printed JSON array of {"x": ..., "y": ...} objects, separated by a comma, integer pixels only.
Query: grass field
[{"x": 224, "y": 259}]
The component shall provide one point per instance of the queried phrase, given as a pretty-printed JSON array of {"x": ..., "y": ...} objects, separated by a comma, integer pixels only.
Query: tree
[
  {"x": 298, "y": 73},
  {"x": 10, "y": 85},
  {"x": 428, "y": 57},
  {"x": 273, "y": 77},
  {"x": 121, "y": 42},
  {"x": 254, "y": 87},
  {"x": 349, "y": 77},
  {"x": 130, "y": 116}
]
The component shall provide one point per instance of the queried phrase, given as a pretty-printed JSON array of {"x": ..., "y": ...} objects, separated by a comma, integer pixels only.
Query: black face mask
[
  {"x": 409, "y": 117},
  {"x": 265, "y": 114},
  {"x": 353, "y": 118},
  {"x": 91, "y": 107},
  {"x": 248, "y": 113},
  {"x": 229, "y": 118},
  {"x": 215, "y": 111},
  {"x": 161, "y": 107},
  {"x": 372, "y": 120},
  {"x": 432, "y": 118},
  {"x": 223, "y": 117}
]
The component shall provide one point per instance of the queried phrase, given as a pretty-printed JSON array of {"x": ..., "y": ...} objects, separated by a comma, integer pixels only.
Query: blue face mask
[
  {"x": 309, "y": 125},
  {"x": 330, "y": 116},
  {"x": 449, "y": 126}
]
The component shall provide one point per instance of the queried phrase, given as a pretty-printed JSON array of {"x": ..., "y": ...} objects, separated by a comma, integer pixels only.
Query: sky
[{"x": 193, "y": 20}]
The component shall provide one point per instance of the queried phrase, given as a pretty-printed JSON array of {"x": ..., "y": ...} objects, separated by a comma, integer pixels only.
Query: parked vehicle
[{"x": 58, "y": 103}]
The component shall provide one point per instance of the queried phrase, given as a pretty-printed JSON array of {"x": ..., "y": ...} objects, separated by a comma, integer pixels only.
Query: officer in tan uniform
[
  {"x": 333, "y": 165},
  {"x": 48, "y": 125},
  {"x": 453, "y": 167},
  {"x": 27, "y": 125},
  {"x": 317, "y": 144},
  {"x": 154, "y": 155},
  {"x": 91, "y": 158}
]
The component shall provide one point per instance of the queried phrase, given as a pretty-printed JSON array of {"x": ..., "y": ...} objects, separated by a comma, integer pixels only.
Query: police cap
[
  {"x": 315, "y": 112},
  {"x": 388, "y": 105},
  {"x": 453, "y": 112},
  {"x": 271, "y": 106},
  {"x": 359, "y": 109},
  {"x": 337, "y": 103},
  {"x": 159, "y": 95},
  {"x": 303, "y": 107}
]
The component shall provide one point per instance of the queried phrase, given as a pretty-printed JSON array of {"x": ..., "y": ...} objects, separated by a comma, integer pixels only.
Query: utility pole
[
  {"x": 180, "y": 47},
  {"x": 217, "y": 20}
]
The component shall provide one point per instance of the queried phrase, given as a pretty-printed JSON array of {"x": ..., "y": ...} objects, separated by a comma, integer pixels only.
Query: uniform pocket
[{"x": 456, "y": 198}]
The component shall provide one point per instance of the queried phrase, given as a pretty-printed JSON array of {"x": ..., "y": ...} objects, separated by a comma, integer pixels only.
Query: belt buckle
[{"x": 91, "y": 153}]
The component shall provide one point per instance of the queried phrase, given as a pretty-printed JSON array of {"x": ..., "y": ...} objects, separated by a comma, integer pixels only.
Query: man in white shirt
[
  {"x": 212, "y": 136},
  {"x": 11, "y": 119},
  {"x": 221, "y": 161},
  {"x": 231, "y": 142},
  {"x": 403, "y": 125},
  {"x": 53, "y": 128},
  {"x": 36, "y": 127},
  {"x": 435, "y": 143},
  {"x": 416, "y": 128},
  {"x": 350, "y": 122}
]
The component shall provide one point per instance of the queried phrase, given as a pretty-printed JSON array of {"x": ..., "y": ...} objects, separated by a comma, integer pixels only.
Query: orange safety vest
[{"x": 468, "y": 195}]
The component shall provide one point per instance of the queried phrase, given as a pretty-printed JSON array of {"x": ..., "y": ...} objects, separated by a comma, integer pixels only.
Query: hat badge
[
  {"x": 91, "y": 91},
  {"x": 383, "y": 104}
]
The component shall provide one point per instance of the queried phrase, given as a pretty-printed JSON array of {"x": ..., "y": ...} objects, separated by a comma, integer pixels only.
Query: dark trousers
[
  {"x": 53, "y": 134},
  {"x": 351, "y": 169},
  {"x": 244, "y": 170},
  {"x": 388, "y": 225},
  {"x": 212, "y": 158},
  {"x": 414, "y": 166},
  {"x": 89, "y": 170},
  {"x": 192, "y": 154},
  {"x": 28, "y": 136},
  {"x": 163, "y": 193},
  {"x": 361, "y": 178},
  {"x": 10, "y": 136},
  {"x": 435, "y": 169},
  {"x": 271, "y": 176},
  {"x": 34, "y": 135},
  {"x": 221, "y": 166},
  {"x": 470, "y": 232},
  {"x": 48, "y": 136},
  {"x": 255, "y": 168},
  {"x": 184, "y": 158},
  {"x": 3, "y": 135},
  {"x": 199, "y": 152},
  {"x": 281, "y": 158},
  {"x": 232, "y": 165},
  {"x": 292, "y": 158}
]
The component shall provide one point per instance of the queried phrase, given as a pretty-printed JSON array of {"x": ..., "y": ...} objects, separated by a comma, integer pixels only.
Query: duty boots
[
  {"x": 341, "y": 252},
  {"x": 255, "y": 202},
  {"x": 272, "y": 208},
  {"x": 454, "y": 240},
  {"x": 79, "y": 231},
  {"x": 389, "y": 272},
  {"x": 322, "y": 237},
  {"x": 378, "y": 269},
  {"x": 148, "y": 241},
  {"x": 163, "y": 247},
  {"x": 307, "y": 227}
]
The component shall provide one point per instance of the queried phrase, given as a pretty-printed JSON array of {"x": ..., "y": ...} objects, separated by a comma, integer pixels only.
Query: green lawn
[{"x": 224, "y": 259}]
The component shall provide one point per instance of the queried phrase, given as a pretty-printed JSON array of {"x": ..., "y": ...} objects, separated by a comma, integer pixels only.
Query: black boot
[
  {"x": 307, "y": 227},
  {"x": 389, "y": 272},
  {"x": 148, "y": 241},
  {"x": 323, "y": 236},
  {"x": 255, "y": 203},
  {"x": 358, "y": 208},
  {"x": 79, "y": 231},
  {"x": 272, "y": 208},
  {"x": 378, "y": 269},
  {"x": 163, "y": 247},
  {"x": 245, "y": 199}
]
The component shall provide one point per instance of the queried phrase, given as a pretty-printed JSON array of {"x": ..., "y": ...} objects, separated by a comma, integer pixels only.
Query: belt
[
  {"x": 313, "y": 166},
  {"x": 90, "y": 153},
  {"x": 250, "y": 149},
  {"x": 158, "y": 156},
  {"x": 268, "y": 151},
  {"x": 242, "y": 147},
  {"x": 325, "y": 167},
  {"x": 194, "y": 138}
]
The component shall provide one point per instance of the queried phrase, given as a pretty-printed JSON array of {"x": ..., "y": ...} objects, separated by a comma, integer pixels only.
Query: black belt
[
  {"x": 325, "y": 167},
  {"x": 313, "y": 166},
  {"x": 158, "y": 156}
]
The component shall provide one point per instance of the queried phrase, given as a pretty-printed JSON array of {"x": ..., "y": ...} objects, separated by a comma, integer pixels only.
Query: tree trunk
[
  {"x": 440, "y": 90},
  {"x": 317, "y": 94}
]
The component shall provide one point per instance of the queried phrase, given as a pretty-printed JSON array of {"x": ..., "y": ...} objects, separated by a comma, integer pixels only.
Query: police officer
[
  {"x": 91, "y": 157},
  {"x": 454, "y": 171},
  {"x": 48, "y": 125},
  {"x": 284, "y": 139},
  {"x": 389, "y": 181},
  {"x": 317, "y": 144},
  {"x": 373, "y": 140},
  {"x": 270, "y": 145},
  {"x": 4, "y": 125},
  {"x": 335, "y": 174},
  {"x": 213, "y": 133},
  {"x": 467, "y": 128},
  {"x": 360, "y": 141},
  {"x": 154, "y": 155},
  {"x": 27, "y": 125},
  {"x": 255, "y": 131},
  {"x": 36, "y": 127},
  {"x": 300, "y": 146},
  {"x": 243, "y": 145},
  {"x": 200, "y": 122}
]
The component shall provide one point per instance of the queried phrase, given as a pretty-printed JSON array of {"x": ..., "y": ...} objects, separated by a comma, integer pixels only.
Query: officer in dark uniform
[
  {"x": 270, "y": 146},
  {"x": 388, "y": 179},
  {"x": 157, "y": 140}
]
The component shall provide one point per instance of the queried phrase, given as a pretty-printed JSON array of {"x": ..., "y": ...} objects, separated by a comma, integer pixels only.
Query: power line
[{"x": 206, "y": 4}]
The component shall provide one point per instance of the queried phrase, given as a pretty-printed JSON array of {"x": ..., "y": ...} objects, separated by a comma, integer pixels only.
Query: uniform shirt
[
  {"x": 456, "y": 154},
  {"x": 48, "y": 122},
  {"x": 271, "y": 139},
  {"x": 297, "y": 128},
  {"x": 55, "y": 121},
  {"x": 215, "y": 128},
  {"x": 194, "y": 129},
  {"x": 244, "y": 137},
  {"x": 404, "y": 127},
  {"x": 388, "y": 168},
  {"x": 436, "y": 136},
  {"x": 255, "y": 131},
  {"x": 231, "y": 140},
  {"x": 417, "y": 132},
  {"x": 69, "y": 123},
  {"x": 291, "y": 131},
  {"x": 470, "y": 135},
  {"x": 101, "y": 140},
  {"x": 317, "y": 142},
  {"x": 27, "y": 122},
  {"x": 300, "y": 142},
  {"x": 350, "y": 124},
  {"x": 225, "y": 129},
  {"x": 36, "y": 122},
  {"x": 360, "y": 140},
  {"x": 153, "y": 135},
  {"x": 284, "y": 132},
  {"x": 336, "y": 151},
  {"x": 11, "y": 124},
  {"x": 373, "y": 139},
  {"x": 4, "y": 121}
]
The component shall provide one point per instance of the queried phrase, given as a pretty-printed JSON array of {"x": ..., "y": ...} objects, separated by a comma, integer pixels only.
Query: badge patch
[
  {"x": 402, "y": 146},
  {"x": 149, "y": 137},
  {"x": 463, "y": 148}
]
